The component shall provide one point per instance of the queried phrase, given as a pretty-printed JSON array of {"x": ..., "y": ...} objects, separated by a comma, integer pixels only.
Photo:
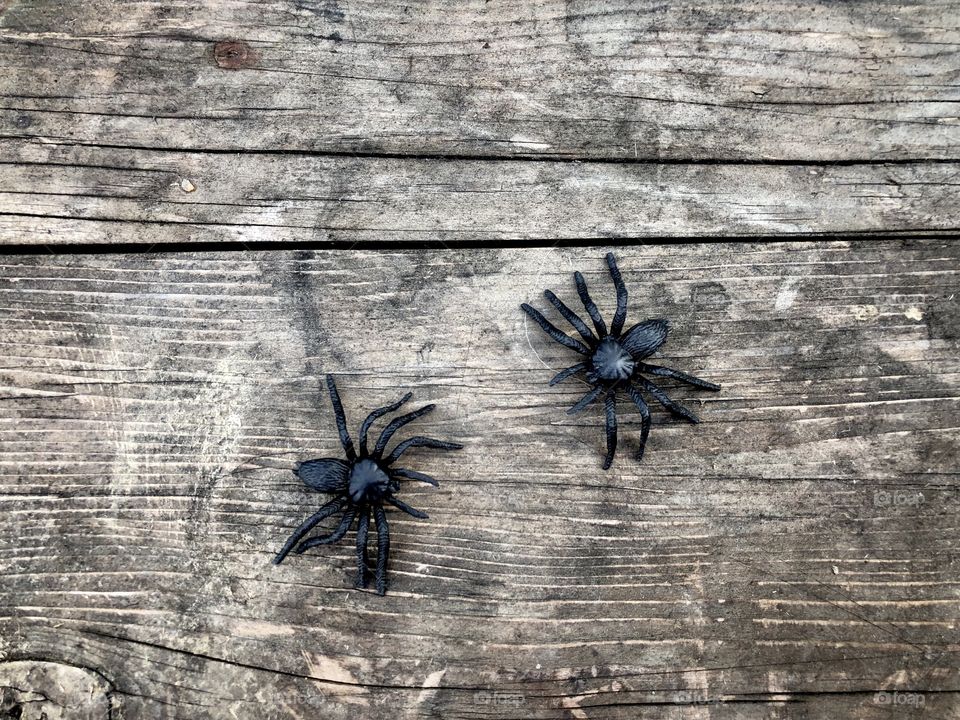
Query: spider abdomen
[
  {"x": 611, "y": 362},
  {"x": 367, "y": 480}
]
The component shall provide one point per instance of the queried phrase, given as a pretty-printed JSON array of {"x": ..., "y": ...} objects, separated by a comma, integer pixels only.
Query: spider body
[
  {"x": 361, "y": 485},
  {"x": 369, "y": 482},
  {"x": 614, "y": 358},
  {"x": 610, "y": 363}
]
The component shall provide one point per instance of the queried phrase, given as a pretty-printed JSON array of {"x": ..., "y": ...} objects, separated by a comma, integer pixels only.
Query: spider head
[
  {"x": 367, "y": 481},
  {"x": 610, "y": 362}
]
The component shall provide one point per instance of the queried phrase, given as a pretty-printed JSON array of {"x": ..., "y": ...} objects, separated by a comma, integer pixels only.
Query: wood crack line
[
  {"x": 502, "y": 157},
  {"x": 274, "y": 671}
]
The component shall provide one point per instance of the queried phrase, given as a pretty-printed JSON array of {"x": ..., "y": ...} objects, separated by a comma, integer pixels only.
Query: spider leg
[
  {"x": 395, "y": 425},
  {"x": 644, "y": 418},
  {"x": 611, "y": 408},
  {"x": 621, "y": 314},
  {"x": 383, "y": 548},
  {"x": 363, "y": 524},
  {"x": 341, "y": 419},
  {"x": 677, "y": 375},
  {"x": 571, "y": 317},
  {"x": 564, "y": 374},
  {"x": 419, "y": 441},
  {"x": 585, "y": 400},
  {"x": 307, "y": 525},
  {"x": 414, "y": 475},
  {"x": 406, "y": 508},
  {"x": 589, "y": 304},
  {"x": 661, "y": 397},
  {"x": 345, "y": 522},
  {"x": 554, "y": 332},
  {"x": 376, "y": 414}
]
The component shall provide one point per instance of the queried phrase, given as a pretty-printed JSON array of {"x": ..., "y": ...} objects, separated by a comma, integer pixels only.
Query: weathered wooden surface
[
  {"x": 317, "y": 120},
  {"x": 38, "y": 690},
  {"x": 55, "y": 195},
  {"x": 792, "y": 556},
  {"x": 575, "y": 79}
]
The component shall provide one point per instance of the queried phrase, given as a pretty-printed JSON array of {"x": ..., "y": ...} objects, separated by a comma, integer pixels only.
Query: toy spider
[
  {"x": 362, "y": 484},
  {"x": 614, "y": 358}
]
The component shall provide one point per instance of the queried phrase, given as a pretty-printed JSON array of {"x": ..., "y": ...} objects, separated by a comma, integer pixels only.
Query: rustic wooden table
[{"x": 205, "y": 207}]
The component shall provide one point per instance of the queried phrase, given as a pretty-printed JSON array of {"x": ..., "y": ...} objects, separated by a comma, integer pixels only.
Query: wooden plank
[
  {"x": 793, "y": 555},
  {"x": 61, "y": 195},
  {"x": 577, "y": 79}
]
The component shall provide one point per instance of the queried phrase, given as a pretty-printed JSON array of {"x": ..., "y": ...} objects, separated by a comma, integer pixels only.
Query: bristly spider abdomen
[{"x": 614, "y": 358}]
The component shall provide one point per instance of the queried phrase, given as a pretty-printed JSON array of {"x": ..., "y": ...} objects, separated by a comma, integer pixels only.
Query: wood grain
[
  {"x": 574, "y": 79},
  {"x": 325, "y": 121},
  {"x": 792, "y": 556},
  {"x": 59, "y": 195}
]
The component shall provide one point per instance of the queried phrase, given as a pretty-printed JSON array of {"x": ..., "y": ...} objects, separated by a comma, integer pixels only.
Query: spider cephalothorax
[
  {"x": 614, "y": 358},
  {"x": 362, "y": 484}
]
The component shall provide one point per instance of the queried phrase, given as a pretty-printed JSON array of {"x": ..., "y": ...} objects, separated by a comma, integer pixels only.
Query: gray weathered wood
[
  {"x": 38, "y": 690},
  {"x": 139, "y": 122},
  {"x": 57, "y": 195},
  {"x": 579, "y": 79},
  {"x": 791, "y": 556}
]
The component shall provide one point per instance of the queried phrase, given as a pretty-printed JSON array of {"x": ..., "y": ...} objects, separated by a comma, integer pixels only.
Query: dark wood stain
[{"x": 233, "y": 55}]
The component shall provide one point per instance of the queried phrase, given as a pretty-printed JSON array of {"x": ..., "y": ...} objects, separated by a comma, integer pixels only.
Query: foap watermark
[
  {"x": 498, "y": 697},
  {"x": 897, "y": 498},
  {"x": 899, "y": 699}
]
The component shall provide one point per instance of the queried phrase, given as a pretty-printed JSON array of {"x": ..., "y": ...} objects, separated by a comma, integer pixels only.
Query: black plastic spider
[
  {"x": 614, "y": 358},
  {"x": 362, "y": 484}
]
